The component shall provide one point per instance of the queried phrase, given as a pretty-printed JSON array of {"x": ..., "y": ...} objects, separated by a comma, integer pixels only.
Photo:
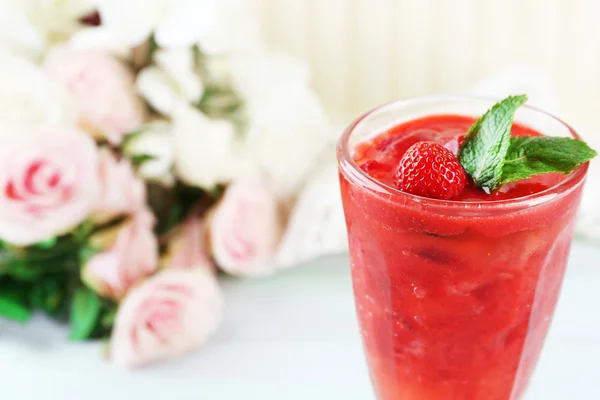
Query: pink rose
[
  {"x": 168, "y": 315},
  {"x": 121, "y": 191},
  {"x": 187, "y": 246},
  {"x": 244, "y": 230},
  {"x": 130, "y": 255},
  {"x": 102, "y": 88},
  {"x": 49, "y": 183}
]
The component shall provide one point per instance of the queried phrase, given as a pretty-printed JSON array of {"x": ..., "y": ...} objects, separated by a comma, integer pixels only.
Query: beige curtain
[{"x": 366, "y": 52}]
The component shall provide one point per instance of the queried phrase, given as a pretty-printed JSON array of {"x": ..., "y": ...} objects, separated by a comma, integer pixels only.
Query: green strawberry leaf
[
  {"x": 85, "y": 311},
  {"x": 486, "y": 144},
  {"x": 529, "y": 156}
]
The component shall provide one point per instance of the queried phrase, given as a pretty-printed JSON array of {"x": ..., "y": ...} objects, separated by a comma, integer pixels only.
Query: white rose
[
  {"x": 287, "y": 138},
  {"x": 171, "y": 314},
  {"x": 175, "y": 23},
  {"x": 288, "y": 128},
  {"x": 154, "y": 140},
  {"x": 247, "y": 35},
  {"x": 261, "y": 74},
  {"x": 27, "y": 27},
  {"x": 17, "y": 33},
  {"x": 99, "y": 38},
  {"x": 102, "y": 88},
  {"x": 244, "y": 229},
  {"x": 171, "y": 80},
  {"x": 29, "y": 98},
  {"x": 205, "y": 149}
]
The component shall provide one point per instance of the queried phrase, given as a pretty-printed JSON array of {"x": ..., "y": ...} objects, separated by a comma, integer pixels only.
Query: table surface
[{"x": 293, "y": 337}]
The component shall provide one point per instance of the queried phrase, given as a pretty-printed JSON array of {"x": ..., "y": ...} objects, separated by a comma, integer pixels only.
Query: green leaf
[
  {"x": 139, "y": 159},
  {"x": 153, "y": 44},
  {"x": 12, "y": 309},
  {"x": 131, "y": 136},
  {"x": 48, "y": 294},
  {"x": 22, "y": 272},
  {"x": 46, "y": 244},
  {"x": 85, "y": 311},
  {"x": 14, "y": 290},
  {"x": 108, "y": 319},
  {"x": 528, "y": 156},
  {"x": 221, "y": 102},
  {"x": 486, "y": 144},
  {"x": 31, "y": 263},
  {"x": 86, "y": 252},
  {"x": 82, "y": 232}
]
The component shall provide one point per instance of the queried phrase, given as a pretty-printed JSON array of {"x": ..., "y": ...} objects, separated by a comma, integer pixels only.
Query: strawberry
[{"x": 430, "y": 170}]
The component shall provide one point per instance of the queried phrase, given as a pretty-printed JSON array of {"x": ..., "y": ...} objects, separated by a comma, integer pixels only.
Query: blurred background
[{"x": 367, "y": 52}]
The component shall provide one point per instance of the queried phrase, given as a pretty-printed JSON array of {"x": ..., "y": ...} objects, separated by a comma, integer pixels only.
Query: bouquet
[{"x": 147, "y": 147}]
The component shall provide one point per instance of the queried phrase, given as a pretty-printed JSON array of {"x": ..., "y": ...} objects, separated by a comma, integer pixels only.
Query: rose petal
[
  {"x": 245, "y": 229},
  {"x": 205, "y": 149},
  {"x": 168, "y": 315},
  {"x": 102, "y": 88},
  {"x": 122, "y": 192},
  {"x": 129, "y": 258},
  {"x": 65, "y": 157},
  {"x": 186, "y": 248}
]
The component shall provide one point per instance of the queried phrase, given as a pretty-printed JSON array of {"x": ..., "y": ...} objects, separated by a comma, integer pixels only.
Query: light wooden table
[{"x": 291, "y": 337}]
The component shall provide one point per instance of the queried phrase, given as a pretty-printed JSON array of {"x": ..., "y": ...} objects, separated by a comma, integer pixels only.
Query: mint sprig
[
  {"x": 486, "y": 144},
  {"x": 492, "y": 157},
  {"x": 528, "y": 156}
]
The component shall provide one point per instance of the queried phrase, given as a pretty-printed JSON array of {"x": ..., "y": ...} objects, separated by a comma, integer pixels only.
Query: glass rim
[{"x": 350, "y": 169}]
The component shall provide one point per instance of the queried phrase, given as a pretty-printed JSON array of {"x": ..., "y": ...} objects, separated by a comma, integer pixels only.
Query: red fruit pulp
[
  {"x": 454, "y": 299},
  {"x": 380, "y": 157}
]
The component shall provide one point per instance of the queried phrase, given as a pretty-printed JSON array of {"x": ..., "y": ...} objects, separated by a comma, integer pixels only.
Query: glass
[{"x": 454, "y": 299}]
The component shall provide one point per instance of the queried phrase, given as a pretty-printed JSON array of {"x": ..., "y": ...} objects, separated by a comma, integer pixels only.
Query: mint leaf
[
  {"x": 85, "y": 311},
  {"x": 528, "y": 156},
  {"x": 486, "y": 144}
]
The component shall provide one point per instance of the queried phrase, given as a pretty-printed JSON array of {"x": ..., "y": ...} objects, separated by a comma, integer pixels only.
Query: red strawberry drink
[{"x": 456, "y": 262}]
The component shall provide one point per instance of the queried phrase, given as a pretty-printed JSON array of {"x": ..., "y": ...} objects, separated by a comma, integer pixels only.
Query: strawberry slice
[{"x": 430, "y": 170}]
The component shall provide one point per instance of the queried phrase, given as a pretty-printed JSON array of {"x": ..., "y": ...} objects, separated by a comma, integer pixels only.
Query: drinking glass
[{"x": 454, "y": 299}]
